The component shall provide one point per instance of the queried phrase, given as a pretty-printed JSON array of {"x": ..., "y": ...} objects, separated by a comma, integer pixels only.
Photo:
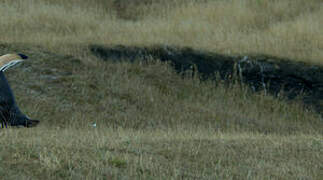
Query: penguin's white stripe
[
  {"x": 9, "y": 60},
  {"x": 10, "y": 64}
]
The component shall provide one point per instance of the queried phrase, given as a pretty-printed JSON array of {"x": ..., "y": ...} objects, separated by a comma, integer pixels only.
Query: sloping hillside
[{"x": 93, "y": 90}]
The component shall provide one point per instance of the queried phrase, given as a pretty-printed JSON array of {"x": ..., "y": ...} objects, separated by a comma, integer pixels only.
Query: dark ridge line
[{"x": 260, "y": 72}]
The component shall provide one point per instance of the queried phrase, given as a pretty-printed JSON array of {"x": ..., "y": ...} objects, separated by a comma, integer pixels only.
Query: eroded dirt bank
[{"x": 260, "y": 72}]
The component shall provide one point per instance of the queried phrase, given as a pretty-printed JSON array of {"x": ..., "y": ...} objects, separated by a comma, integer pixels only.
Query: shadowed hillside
[{"x": 262, "y": 73}]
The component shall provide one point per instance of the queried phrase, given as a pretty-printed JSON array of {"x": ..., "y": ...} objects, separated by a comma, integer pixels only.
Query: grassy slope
[{"x": 150, "y": 122}]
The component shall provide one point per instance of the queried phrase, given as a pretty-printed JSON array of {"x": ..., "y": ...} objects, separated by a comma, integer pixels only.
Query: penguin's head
[{"x": 9, "y": 60}]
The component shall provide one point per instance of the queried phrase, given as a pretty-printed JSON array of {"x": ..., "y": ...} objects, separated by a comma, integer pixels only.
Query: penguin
[{"x": 10, "y": 113}]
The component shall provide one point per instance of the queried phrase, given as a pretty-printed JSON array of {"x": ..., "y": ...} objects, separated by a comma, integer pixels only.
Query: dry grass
[
  {"x": 151, "y": 123},
  {"x": 106, "y": 153},
  {"x": 288, "y": 28}
]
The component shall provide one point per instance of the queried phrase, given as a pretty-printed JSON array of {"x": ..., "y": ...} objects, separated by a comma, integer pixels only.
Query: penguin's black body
[{"x": 10, "y": 113}]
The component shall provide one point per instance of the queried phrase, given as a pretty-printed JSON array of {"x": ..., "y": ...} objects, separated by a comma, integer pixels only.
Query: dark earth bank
[{"x": 276, "y": 76}]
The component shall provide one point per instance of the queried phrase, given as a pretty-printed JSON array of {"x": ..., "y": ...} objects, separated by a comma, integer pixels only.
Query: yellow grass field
[
  {"x": 152, "y": 123},
  {"x": 284, "y": 28}
]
